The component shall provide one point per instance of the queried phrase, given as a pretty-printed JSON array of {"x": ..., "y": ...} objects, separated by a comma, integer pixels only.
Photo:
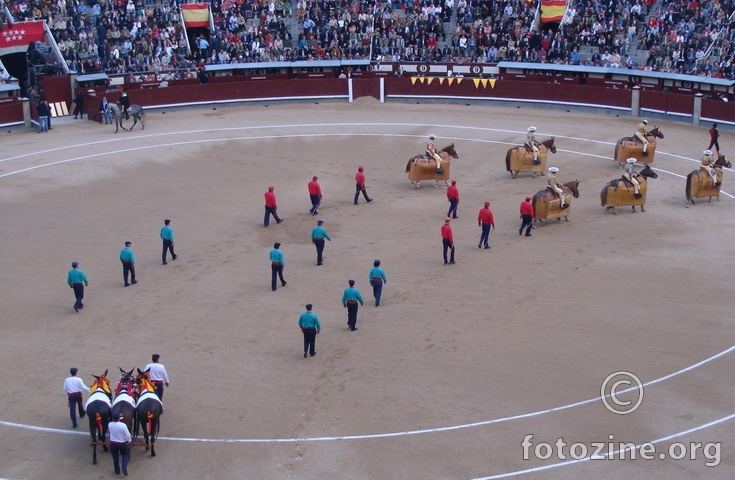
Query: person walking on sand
[
  {"x": 77, "y": 280},
  {"x": 310, "y": 327}
]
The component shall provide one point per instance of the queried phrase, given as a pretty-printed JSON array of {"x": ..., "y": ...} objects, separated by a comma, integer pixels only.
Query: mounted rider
[
  {"x": 124, "y": 102},
  {"x": 629, "y": 175},
  {"x": 641, "y": 133},
  {"x": 707, "y": 166},
  {"x": 553, "y": 185},
  {"x": 532, "y": 144},
  {"x": 432, "y": 153}
]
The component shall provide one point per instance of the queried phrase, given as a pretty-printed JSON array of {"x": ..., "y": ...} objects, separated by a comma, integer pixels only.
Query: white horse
[{"x": 135, "y": 111}]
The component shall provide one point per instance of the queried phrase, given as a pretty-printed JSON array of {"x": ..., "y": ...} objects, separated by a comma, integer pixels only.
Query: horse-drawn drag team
[{"x": 134, "y": 401}]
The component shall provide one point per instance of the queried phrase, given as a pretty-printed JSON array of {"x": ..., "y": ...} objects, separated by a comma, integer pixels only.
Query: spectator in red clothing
[
  {"x": 270, "y": 207},
  {"x": 453, "y": 197},
  {"x": 527, "y": 216},
  {"x": 447, "y": 240},
  {"x": 360, "y": 185},
  {"x": 315, "y": 194}
]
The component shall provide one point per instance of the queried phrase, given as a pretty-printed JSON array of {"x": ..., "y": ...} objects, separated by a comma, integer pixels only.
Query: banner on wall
[
  {"x": 195, "y": 15},
  {"x": 22, "y": 34}
]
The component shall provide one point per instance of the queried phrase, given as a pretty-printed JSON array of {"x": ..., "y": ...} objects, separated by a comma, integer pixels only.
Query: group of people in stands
[{"x": 135, "y": 36}]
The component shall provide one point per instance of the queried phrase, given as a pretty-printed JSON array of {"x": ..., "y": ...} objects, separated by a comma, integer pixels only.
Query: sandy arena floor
[{"x": 445, "y": 379}]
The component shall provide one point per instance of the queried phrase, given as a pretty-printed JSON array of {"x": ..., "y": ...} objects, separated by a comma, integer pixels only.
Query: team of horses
[
  {"x": 616, "y": 193},
  {"x": 135, "y": 397}
]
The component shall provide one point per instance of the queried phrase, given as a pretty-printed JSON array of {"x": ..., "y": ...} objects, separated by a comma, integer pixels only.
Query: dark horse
[
  {"x": 135, "y": 111},
  {"x": 620, "y": 192},
  {"x": 99, "y": 408},
  {"x": 125, "y": 397},
  {"x": 148, "y": 411},
  {"x": 699, "y": 183},
  {"x": 520, "y": 158}
]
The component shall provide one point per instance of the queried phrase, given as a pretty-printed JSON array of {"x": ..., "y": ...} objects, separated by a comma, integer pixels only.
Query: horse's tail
[
  {"x": 142, "y": 113},
  {"x": 603, "y": 195},
  {"x": 507, "y": 160},
  {"x": 408, "y": 165},
  {"x": 689, "y": 185}
]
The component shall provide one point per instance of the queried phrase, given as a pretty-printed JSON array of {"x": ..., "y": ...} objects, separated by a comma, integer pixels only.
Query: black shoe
[
  {"x": 279, "y": 220},
  {"x": 319, "y": 264},
  {"x": 174, "y": 256},
  {"x": 528, "y": 234},
  {"x": 451, "y": 263},
  {"x": 76, "y": 309},
  {"x": 369, "y": 200},
  {"x": 445, "y": 263},
  {"x": 274, "y": 289},
  {"x": 377, "y": 304},
  {"x": 165, "y": 263},
  {"x": 487, "y": 246},
  {"x": 479, "y": 245},
  {"x": 83, "y": 414},
  {"x": 125, "y": 472},
  {"x": 455, "y": 216},
  {"x": 353, "y": 329},
  {"x": 73, "y": 426},
  {"x": 355, "y": 203},
  {"x": 133, "y": 282},
  {"x": 127, "y": 284},
  {"x": 520, "y": 232},
  {"x": 304, "y": 354},
  {"x": 313, "y": 354},
  {"x": 284, "y": 284}
]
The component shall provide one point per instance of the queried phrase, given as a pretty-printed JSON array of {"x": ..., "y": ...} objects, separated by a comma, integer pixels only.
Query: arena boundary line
[{"x": 406, "y": 433}]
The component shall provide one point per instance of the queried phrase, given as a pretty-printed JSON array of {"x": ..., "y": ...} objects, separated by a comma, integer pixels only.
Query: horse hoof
[{"x": 642, "y": 209}]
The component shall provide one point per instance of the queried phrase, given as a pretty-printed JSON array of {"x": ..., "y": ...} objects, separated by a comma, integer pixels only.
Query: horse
[
  {"x": 620, "y": 192},
  {"x": 547, "y": 205},
  {"x": 423, "y": 167},
  {"x": 148, "y": 410},
  {"x": 631, "y": 147},
  {"x": 520, "y": 158},
  {"x": 135, "y": 111},
  {"x": 699, "y": 183},
  {"x": 125, "y": 397},
  {"x": 98, "y": 409}
]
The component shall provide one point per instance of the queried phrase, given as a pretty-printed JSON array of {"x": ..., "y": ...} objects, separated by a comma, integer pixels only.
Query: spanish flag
[
  {"x": 552, "y": 10},
  {"x": 196, "y": 15}
]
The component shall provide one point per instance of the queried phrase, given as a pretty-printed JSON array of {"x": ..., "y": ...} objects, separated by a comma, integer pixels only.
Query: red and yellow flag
[
  {"x": 552, "y": 10},
  {"x": 195, "y": 15}
]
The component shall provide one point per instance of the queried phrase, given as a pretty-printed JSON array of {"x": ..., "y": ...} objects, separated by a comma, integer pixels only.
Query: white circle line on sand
[
  {"x": 400, "y": 433},
  {"x": 607, "y": 455},
  {"x": 272, "y": 137}
]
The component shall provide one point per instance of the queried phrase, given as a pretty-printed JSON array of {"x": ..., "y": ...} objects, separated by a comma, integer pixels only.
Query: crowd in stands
[{"x": 147, "y": 38}]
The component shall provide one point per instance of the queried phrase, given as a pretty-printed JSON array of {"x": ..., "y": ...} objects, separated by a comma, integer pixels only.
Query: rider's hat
[
  {"x": 707, "y": 152},
  {"x": 553, "y": 169},
  {"x": 531, "y": 129},
  {"x": 645, "y": 122},
  {"x": 432, "y": 136},
  {"x": 631, "y": 160}
]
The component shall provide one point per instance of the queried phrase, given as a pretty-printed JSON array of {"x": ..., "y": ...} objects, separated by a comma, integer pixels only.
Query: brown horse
[
  {"x": 520, "y": 158},
  {"x": 98, "y": 409},
  {"x": 148, "y": 411},
  {"x": 547, "y": 205},
  {"x": 631, "y": 147},
  {"x": 422, "y": 167},
  {"x": 620, "y": 192},
  {"x": 699, "y": 183}
]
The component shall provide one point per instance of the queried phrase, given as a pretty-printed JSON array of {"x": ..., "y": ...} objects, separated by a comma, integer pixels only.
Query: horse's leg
[
  {"x": 436, "y": 183},
  {"x": 643, "y": 209}
]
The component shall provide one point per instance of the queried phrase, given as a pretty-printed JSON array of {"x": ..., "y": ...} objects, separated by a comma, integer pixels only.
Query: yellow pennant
[
  {"x": 476, "y": 81},
  {"x": 492, "y": 82},
  {"x": 441, "y": 80},
  {"x": 413, "y": 80},
  {"x": 429, "y": 80},
  {"x": 451, "y": 81}
]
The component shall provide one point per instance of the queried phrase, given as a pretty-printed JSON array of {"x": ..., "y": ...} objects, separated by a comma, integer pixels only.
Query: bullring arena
[{"x": 445, "y": 379}]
